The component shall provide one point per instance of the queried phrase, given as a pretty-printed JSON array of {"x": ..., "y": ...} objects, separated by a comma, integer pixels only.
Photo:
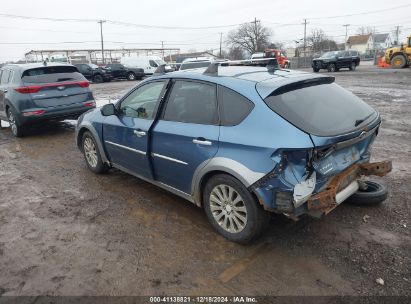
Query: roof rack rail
[
  {"x": 161, "y": 70},
  {"x": 271, "y": 64}
]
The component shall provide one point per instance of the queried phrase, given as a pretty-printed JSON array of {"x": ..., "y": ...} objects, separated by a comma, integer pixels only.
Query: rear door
[
  {"x": 55, "y": 86},
  {"x": 186, "y": 135},
  {"x": 126, "y": 135}
]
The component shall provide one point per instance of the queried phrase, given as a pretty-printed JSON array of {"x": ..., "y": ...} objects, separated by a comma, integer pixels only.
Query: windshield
[
  {"x": 322, "y": 110},
  {"x": 329, "y": 54}
]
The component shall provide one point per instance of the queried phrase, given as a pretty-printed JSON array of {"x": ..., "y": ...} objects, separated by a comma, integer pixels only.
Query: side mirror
[{"x": 108, "y": 110}]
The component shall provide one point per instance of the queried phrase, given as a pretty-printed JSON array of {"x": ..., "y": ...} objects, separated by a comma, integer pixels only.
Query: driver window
[
  {"x": 142, "y": 102},
  {"x": 153, "y": 64}
]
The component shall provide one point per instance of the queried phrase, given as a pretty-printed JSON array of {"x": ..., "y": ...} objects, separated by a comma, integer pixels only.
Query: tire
[
  {"x": 315, "y": 70},
  {"x": 131, "y": 76},
  {"x": 98, "y": 78},
  {"x": 332, "y": 67},
  {"x": 248, "y": 218},
  {"x": 398, "y": 62},
  {"x": 16, "y": 129},
  {"x": 92, "y": 154},
  {"x": 375, "y": 194},
  {"x": 352, "y": 66}
]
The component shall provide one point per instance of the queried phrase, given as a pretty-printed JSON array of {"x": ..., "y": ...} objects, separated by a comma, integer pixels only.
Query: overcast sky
[{"x": 283, "y": 17}]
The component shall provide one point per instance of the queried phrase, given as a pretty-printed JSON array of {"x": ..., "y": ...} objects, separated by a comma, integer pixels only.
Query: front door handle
[
  {"x": 139, "y": 133},
  {"x": 202, "y": 141}
]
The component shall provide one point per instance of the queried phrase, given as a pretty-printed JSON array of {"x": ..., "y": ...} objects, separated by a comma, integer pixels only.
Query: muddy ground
[{"x": 67, "y": 231}]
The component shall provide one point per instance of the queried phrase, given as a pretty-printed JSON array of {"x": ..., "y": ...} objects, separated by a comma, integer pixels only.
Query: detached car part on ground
[
  {"x": 240, "y": 142},
  {"x": 37, "y": 92}
]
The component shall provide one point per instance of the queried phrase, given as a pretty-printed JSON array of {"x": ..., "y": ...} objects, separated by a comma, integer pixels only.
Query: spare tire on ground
[{"x": 373, "y": 194}]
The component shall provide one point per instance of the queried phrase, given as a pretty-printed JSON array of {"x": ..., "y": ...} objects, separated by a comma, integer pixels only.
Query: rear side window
[
  {"x": 322, "y": 110},
  {"x": 5, "y": 77},
  {"x": 192, "y": 102},
  {"x": 51, "y": 74},
  {"x": 233, "y": 107}
]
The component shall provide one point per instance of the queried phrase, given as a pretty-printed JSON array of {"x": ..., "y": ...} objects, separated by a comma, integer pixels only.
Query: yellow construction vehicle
[{"x": 399, "y": 57}]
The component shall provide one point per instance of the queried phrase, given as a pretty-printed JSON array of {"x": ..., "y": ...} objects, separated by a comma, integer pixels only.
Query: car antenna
[
  {"x": 272, "y": 64},
  {"x": 161, "y": 70}
]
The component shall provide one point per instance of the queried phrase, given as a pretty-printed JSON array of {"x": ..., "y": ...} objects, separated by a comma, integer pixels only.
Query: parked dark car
[
  {"x": 333, "y": 61},
  {"x": 31, "y": 93},
  {"x": 119, "y": 71},
  {"x": 94, "y": 73},
  {"x": 241, "y": 141}
]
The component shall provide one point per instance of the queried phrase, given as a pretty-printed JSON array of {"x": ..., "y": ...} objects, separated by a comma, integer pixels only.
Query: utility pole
[
  {"x": 256, "y": 34},
  {"x": 221, "y": 44},
  {"x": 305, "y": 35},
  {"x": 346, "y": 34},
  {"x": 102, "y": 41},
  {"x": 397, "y": 34},
  {"x": 162, "y": 49}
]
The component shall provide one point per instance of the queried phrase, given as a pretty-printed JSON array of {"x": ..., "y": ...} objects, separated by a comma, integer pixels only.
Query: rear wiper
[{"x": 360, "y": 121}]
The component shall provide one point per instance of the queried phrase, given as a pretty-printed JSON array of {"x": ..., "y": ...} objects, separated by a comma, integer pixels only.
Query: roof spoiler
[
  {"x": 161, "y": 70},
  {"x": 271, "y": 64}
]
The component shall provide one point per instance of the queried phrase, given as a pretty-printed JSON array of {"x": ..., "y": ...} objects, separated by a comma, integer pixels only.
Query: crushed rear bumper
[{"x": 343, "y": 185}]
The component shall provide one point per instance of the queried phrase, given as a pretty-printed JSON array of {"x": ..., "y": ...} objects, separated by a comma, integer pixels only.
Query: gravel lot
[{"x": 66, "y": 231}]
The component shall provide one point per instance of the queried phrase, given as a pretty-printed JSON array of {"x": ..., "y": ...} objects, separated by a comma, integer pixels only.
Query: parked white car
[{"x": 148, "y": 63}]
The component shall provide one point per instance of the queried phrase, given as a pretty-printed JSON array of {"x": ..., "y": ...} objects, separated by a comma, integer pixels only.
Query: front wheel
[
  {"x": 315, "y": 70},
  {"x": 92, "y": 154},
  {"x": 352, "y": 66},
  {"x": 98, "y": 79},
  {"x": 15, "y": 126},
  {"x": 131, "y": 76},
  {"x": 232, "y": 210},
  {"x": 398, "y": 62},
  {"x": 332, "y": 68}
]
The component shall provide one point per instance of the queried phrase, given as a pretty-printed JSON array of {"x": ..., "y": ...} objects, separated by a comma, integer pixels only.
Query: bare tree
[
  {"x": 236, "y": 53},
  {"x": 320, "y": 42},
  {"x": 365, "y": 30},
  {"x": 250, "y": 37},
  {"x": 275, "y": 45}
]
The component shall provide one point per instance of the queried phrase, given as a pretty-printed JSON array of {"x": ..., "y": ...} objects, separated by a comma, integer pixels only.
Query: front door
[
  {"x": 126, "y": 135},
  {"x": 186, "y": 135}
]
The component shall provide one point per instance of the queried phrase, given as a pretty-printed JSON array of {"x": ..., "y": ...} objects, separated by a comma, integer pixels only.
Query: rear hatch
[
  {"x": 340, "y": 124},
  {"x": 55, "y": 86}
]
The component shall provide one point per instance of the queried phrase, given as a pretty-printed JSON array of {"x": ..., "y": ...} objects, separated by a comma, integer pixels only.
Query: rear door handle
[
  {"x": 202, "y": 141},
  {"x": 139, "y": 133}
]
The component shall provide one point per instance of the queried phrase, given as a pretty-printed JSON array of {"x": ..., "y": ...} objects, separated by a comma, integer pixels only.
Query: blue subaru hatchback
[{"x": 241, "y": 142}]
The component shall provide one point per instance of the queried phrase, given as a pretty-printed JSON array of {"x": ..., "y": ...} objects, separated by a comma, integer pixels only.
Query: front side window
[
  {"x": 233, "y": 107},
  {"x": 192, "y": 102},
  {"x": 153, "y": 64},
  {"x": 142, "y": 102}
]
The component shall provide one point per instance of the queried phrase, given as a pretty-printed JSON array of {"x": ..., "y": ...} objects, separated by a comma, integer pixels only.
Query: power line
[{"x": 364, "y": 13}]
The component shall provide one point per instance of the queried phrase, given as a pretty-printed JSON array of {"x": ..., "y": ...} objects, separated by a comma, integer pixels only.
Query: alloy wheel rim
[
  {"x": 12, "y": 123},
  {"x": 131, "y": 77},
  {"x": 228, "y": 208},
  {"x": 90, "y": 152}
]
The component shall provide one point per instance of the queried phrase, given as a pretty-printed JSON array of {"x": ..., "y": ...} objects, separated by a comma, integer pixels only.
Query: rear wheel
[
  {"x": 315, "y": 70},
  {"x": 373, "y": 194},
  {"x": 332, "y": 67},
  {"x": 131, "y": 76},
  {"x": 398, "y": 62},
  {"x": 98, "y": 79},
  {"x": 352, "y": 66},
  {"x": 92, "y": 154},
  {"x": 16, "y": 128},
  {"x": 232, "y": 210}
]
